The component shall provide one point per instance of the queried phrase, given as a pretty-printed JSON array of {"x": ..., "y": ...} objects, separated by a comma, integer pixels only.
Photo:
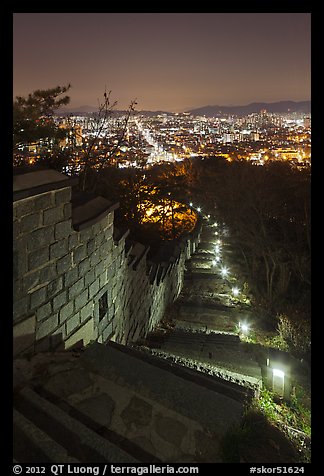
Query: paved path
[{"x": 207, "y": 314}]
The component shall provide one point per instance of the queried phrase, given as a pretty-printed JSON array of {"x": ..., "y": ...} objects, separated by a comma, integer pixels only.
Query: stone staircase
[{"x": 111, "y": 403}]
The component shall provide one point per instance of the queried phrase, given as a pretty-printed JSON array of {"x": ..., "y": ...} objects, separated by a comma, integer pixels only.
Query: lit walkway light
[
  {"x": 217, "y": 249},
  {"x": 199, "y": 209},
  {"x": 224, "y": 272},
  {"x": 235, "y": 291},
  {"x": 278, "y": 373},
  {"x": 244, "y": 327},
  {"x": 191, "y": 204},
  {"x": 216, "y": 233}
]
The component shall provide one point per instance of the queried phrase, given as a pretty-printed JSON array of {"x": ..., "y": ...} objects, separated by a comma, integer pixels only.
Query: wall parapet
[{"x": 77, "y": 277}]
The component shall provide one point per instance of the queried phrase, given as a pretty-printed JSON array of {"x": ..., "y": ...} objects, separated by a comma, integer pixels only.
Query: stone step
[
  {"x": 32, "y": 445},
  {"x": 79, "y": 441}
]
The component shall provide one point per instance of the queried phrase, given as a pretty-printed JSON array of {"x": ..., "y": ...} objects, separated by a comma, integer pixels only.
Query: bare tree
[{"x": 103, "y": 145}]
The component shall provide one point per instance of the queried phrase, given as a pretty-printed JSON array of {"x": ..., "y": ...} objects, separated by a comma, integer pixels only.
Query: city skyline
[{"x": 164, "y": 61}]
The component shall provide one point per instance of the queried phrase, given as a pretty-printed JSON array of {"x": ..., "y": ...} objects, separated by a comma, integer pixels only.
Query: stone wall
[{"x": 78, "y": 278}]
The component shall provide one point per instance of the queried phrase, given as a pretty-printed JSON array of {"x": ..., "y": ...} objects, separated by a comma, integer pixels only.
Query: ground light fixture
[
  {"x": 235, "y": 291},
  {"x": 278, "y": 373},
  {"x": 217, "y": 249},
  {"x": 216, "y": 260},
  {"x": 191, "y": 204},
  {"x": 244, "y": 327},
  {"x": 199, "y": 209},
  {"x": 224, "y": 271}
]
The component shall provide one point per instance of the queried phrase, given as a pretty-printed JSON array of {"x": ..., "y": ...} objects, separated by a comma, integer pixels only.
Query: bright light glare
[
  {"x": 199, "y": 209},
  {"x": 235, "y": 291},
  {"x": 217, "y": 249},
  {"x": 244, "y": 327},
  {"x": 224, "y": 272},
  {"x": 191, "y": 204},
  {"x": 278, "y": 373}
]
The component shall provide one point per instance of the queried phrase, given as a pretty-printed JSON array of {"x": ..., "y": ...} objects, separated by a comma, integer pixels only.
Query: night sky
[{"x": 166, "y": 61}]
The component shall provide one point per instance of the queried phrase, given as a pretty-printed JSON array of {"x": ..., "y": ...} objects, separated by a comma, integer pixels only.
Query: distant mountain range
[
  {"x": 281, "y": 106},
  {"x": 214, "y": 111}
]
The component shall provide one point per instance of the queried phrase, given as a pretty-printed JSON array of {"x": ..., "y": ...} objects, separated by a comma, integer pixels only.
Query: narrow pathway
[{"x": 209, "y": 314}]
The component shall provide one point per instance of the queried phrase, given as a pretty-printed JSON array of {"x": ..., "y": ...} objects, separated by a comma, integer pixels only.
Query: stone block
[
  {"x": 76, "y": 288},
  {"x": 46, "y": 328},
  {"x": 30, "y": 222},
  {"x": 93, "y": 288},
  {"x": 64, "y": 264},
  {"x": 81, "y": 300},
  {"x": 59, "y": 301},
  {"x": 86, "y": 311},
  {"x": 62, "y": 196},
  {"x": 83, "y": 267},
  {"x": 73, "y": 240},
  {"x": 37, "y": 298},
  {"x": 40, "y": 238},
  {"x": 43, "y": 201},
  {"x": 79, "y": 254},
  {"x": 89, "y": 277},
  {"x": 53, "y": 215},
  {"x": 95, "y": 258},
  {"x": 44, "y": 311},
  {"x": 38, "y": 258},
  {"x": 48, "y": 273},
  {"x": 54, "y": 287},
  {"x": 91, "y": 246},
  {"x": 72, "y": 323},
  {"x": 24, "y": 207},
  {"x": 71, "y": 277},
  {"x": 63, "y": 229},
  {"x": 59, "y": 249},
  {"x": 85, "y": 334},
  {"x": 66, "y": 311},
  {"x": 85, "y": 235}
]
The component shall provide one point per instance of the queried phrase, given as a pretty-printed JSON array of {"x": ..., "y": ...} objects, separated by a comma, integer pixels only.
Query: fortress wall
[{"x": 72, "y": 285}]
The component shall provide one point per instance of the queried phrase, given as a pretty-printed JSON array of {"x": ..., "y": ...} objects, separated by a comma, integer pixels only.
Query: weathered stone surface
[
  {"x": 24, "y": 335},
  {"x": 68, "y": 383},
  {"x": 145, "y": 444},
  {"x": 138, "y": 412},
  {"x": 45, "y": 328},
  {"x": 207, "y": 447},
  {"x": 99, "y": 408},
  {"x": 170, "y": 429}
]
